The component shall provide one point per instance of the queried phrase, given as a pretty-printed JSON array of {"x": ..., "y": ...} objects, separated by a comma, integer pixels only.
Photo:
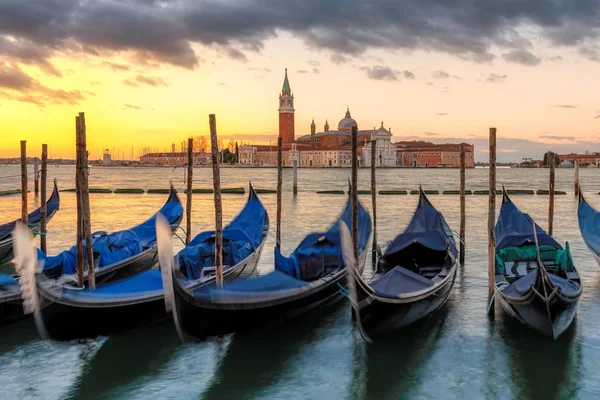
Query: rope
[
  {"x": 459, "y": 238},
  {"x": 499, "y": 287},
  {"x": 343, "y": 291}
]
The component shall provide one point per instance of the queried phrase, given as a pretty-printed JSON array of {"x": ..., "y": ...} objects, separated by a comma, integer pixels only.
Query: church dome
[{"x": 347, "y": 123}]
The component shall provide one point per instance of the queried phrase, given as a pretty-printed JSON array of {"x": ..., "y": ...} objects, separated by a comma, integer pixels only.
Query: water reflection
[
  {"x": 541, "y": 368},
  {"x": 393, "y": 363}
]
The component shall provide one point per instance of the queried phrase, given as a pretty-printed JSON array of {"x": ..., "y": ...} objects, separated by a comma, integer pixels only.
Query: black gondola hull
[
  {"x": 383, "y": 316},
  {"x": 552, "y": 320},
  {"x": 11, "y": 307},
  {"x": 204, "y": 318},
  {"x": 6, "y": 251}
]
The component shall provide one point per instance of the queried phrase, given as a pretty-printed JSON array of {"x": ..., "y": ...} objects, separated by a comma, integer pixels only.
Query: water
[{"x": 458, "y": 353}]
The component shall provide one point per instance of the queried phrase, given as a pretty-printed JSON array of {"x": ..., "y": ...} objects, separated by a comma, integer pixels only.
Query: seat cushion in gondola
[
  {"x": 6, "y": 279},
  {"x": 400, "y": 281}
]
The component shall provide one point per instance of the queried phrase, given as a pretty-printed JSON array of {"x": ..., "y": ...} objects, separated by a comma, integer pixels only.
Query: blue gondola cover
[
  {"x": 514, "y": 228},
  {"x": 589, "y": 225}
]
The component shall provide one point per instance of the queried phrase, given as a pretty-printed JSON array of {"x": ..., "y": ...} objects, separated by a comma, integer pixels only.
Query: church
[{"x": 329, "y": 148}]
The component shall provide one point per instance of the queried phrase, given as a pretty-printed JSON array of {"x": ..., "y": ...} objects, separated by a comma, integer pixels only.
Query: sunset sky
[{"x": 147, "y": 73}]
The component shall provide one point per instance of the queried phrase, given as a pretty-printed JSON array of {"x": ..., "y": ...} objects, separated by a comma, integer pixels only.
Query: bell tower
[{"x": 286, "y": 112}]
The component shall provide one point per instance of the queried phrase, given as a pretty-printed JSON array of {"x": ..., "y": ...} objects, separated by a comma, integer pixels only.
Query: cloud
[
  {"x": 381, "y": 73},
  {"x": 27, "y": 52},
  {"x": 555, "y": 58},
  {"x": 495, "y": 78},
  {"x": 440, "y": 74},
  {"x": 313, "y": 63},
  {"x": 430, "y": 134},
  {"x": 16, "y": 85},
  {"x": 597, "y": 116},
  {"x": 567, "y": 106},
  {"x": 441, "y": 114},
  {"x": 551, "y": 137},
  {"x": 523, "y": 57},
  {"x": 256, "y": 69},
  {"x": 591, "y": 52},
  {"x": 173, "y": 31},
  {"x": 116, "y": 66},
  {"x": 153, "y": 81},
  {"x": 132, "y": 107},
  {"x": 408, "y": 75},
  {"x": 339, "y": 59}
]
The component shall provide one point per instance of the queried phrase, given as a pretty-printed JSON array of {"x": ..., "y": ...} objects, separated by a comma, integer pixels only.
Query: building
[
  {"x": 427, "y": 154},
  {"x": 385, "y": 151},
  {"x": 286, "y": 113},
  {"x": 106, "y": 157},
  {"x": 582, "y": 159},
  {"x": 174, "y": 158}
]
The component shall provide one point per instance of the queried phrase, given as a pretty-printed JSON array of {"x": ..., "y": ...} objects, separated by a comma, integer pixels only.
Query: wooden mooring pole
[
  {"x": 36, "y": 172},
  {"x": 43, "y": 210},
  {"x": 576, "y": 178},
  {"x": 214, "y": 147},
  {"x": 374, "y": 200},
  {"x": 295, "y": 176},
  {"x": 354, "y": 192},
  {"x": 551, "y": 196},
  {"x": 491, "y": 225},
  {"x": 79, "y": 241},
  {"x": 463, "y": 166},
  {"x": 24, "y": 182},
  {"x": 279, "y": 184},
  {"x": 83, "y": 215},
  {"x": 188, "y": 199}
]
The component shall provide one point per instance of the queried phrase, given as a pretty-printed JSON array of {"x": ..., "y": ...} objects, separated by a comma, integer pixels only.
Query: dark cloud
[
  {"x": 441, "y": 114},
  {"x": 495, "y": 78},
  {"x": 440, "y": 74},
  {"x": 408, "y": 74},
  {"x": 165, "y": 31},
  {"x": 523, "y": 57},
  {"x": 566, "y": 106},
  {"x": 139, "y": 80},
  {"x": 381, "y": 73},
  {"x": 16, "y": 85},
  {"x": 551, "y": 137},
  {"x": 132, "y": 107},
  {"x": 555, "y": 58},
  {"x": 339, "y": 59},
  {"x": 27, "y": 52},
  {"x": 116, "y": 66}
]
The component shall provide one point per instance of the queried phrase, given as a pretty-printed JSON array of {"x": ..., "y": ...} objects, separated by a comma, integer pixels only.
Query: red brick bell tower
[{"x": 286, "y": 113}]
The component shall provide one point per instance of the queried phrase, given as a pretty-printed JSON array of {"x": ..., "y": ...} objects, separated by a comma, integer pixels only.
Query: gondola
[
  {"x": 414, "y": 276},
  {"x": 312, "y": 276},
  {"x": 589, "y": 226},
  {"x": 138, "y": 300},
  {"x": 535, "y": 279},
  {"x": 33, "y": 219},
  {"x": 11, "y": 307}
]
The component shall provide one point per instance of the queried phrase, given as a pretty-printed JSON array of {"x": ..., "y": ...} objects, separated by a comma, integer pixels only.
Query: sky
[{"x": 147, "y": 73}]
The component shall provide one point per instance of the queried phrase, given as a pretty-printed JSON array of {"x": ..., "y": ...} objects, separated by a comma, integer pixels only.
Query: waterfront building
[
  {"x": 174, "y": 158},
  {"x": 583, "y": 159},
  {"x": 427, "y": 154}
]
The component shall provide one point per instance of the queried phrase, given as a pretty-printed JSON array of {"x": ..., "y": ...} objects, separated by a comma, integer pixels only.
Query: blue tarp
[
  {"x": 6, "y": 279},
  {"x": 33, "y": 219},
  {"x": 317, "y": 246},
  {"x": 514, "y": 228},
  {"x": 271, "y": 282},
  {"x": 241, "y": 237},
  {"x": 589, "y": 225},
  {"x": 400, "y": 280},
  {"x": 111, "y": 248},
  {"x": 147, "y": 282},
  {"x": 427, "y": 227},
  {"x": 523, "y": 285}
]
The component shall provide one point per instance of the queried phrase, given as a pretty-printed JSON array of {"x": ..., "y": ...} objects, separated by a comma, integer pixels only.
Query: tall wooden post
[
  {"x": 463, "y": 166},
  {"x": 491, "y": 218},
  {"x": 295, "y": 176},
  {"x": 214, "y": 147},
  {"x": 374, "y": 199},
  {"x": 43, "y": 210},
  {"x": 36, "y": 172},
  {"x": 279, "y": 184},
  {"x": 576, "y": 178},
  {"x": 84, "y": 193},
  {"x": 188, "y": 202},
  {"x": 78, "y": 171},
  {"x": 24, "y": 182},
  {"x": 551, "y": 195},
  {"x": 354, "y": 191}
]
